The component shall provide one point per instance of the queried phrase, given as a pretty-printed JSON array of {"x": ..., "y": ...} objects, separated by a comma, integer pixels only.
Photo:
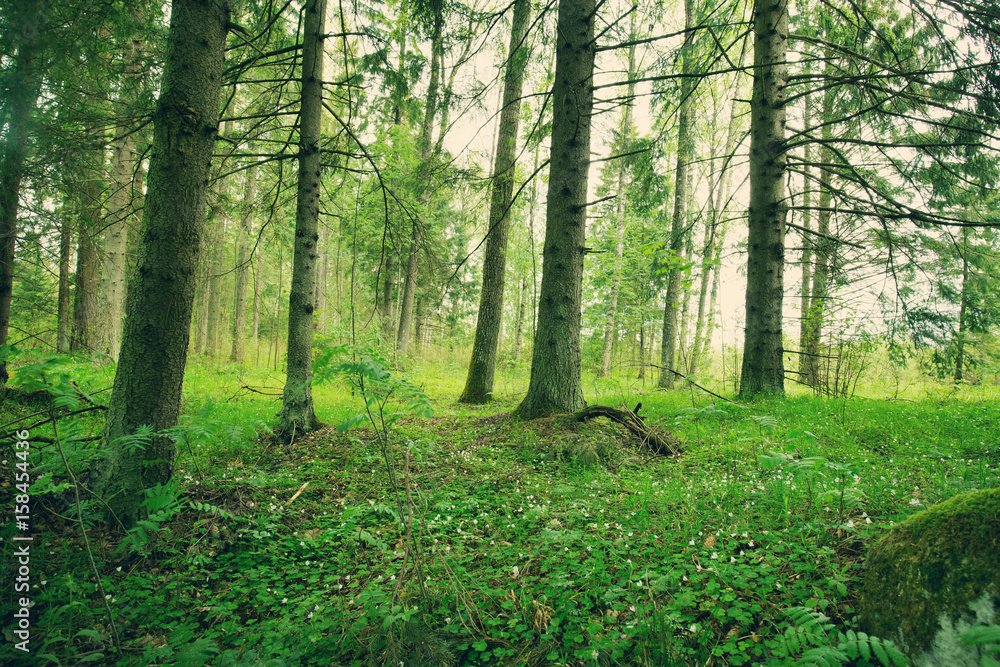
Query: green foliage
[{"x": 814, "y": 640}]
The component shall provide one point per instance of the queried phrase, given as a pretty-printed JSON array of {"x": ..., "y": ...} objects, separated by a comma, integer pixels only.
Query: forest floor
[{"x": 471, "y": 538}]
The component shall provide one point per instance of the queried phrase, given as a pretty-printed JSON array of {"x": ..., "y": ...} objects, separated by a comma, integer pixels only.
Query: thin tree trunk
[
  {"x": 65, "y": 296},
  {"x": 150, "y": 372},
  {"x": 238, "y": 351},
  {"x": 763, "y": 370},
  {"x": 297, "y": 415},
  {"x": 555, "y": 384},
  {"x": 120, "y": 214},
  {"x": 805, "y": 304},
  {"x": 85, "y": 303},
  {"x": 522, "y": 298},
  {"x": 417, "y": 231},
  {"x": 963, "y": 307},
  {"x": 611, "y": 316},
  {"x": 482, "y": 366},
  {"x": 822, "y": 252},
  {"x": 685, "y": 154}
]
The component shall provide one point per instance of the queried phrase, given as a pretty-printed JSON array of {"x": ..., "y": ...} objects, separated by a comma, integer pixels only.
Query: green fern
[{"x": 813, "y": 639}]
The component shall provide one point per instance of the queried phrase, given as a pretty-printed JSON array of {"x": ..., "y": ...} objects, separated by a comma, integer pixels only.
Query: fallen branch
[
  {"x": 690, "y": 381},
  {"x": 665, "y": 445}
]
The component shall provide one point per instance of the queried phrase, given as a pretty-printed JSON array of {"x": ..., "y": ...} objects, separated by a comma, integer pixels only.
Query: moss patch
[{"x": 923, "y": 575}]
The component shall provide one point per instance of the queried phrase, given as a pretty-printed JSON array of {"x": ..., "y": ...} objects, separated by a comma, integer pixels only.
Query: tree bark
[
  {"x": 65, "y": 307},
  {"x": 238, "y": 351},
  {"x": 482, "y": 366},
  {"x": 763, "y": 371},
  {"x": 17, "y": 108},
  {"x": 685, "y": 154},
  {"x": 85, "y": 302},
  {"x": 417, "y": 231},
  {"x": 555, "y": 384},
  {"x": 150, "y": 372},
  {"x": 297, "y": 414},
  {"x": 611, "y": 316},
  {"x": 121, "y": 211}
]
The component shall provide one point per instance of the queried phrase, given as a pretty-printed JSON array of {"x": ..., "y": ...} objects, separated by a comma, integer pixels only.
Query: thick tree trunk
[
  {"x": 18, "y": 108},
  {"x": 150, "y": 373},
  {"x": 297, "y": 415},
  {"x": 482, "y": 366},
  {"x": 237, "y": 353},
  {"x": 763, "y": 369},
  {"x": 555, "y": 384},
  {"x": 685, "y": 154}
]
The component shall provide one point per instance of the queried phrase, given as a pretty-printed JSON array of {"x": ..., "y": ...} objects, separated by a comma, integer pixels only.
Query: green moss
[{"x": 925, "y": 575}]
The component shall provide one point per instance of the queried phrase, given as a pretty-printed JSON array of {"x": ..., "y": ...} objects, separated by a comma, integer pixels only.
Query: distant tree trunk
[
  {"x": 685, "y": 154},
  {"x": 962, "y": 311},
  {"x": 522, "y": 297},
  {"x": 18, "y": 107},
  {"x": 763, "y": 369},
  {"x": 65, "y": 296},
  {"x": 707, "y": 245},
  {"x": 482, "y": 366},
  {"x": 150, "y": 372},
  {"x": 120, "y": 214},
  {"x": 85, "y": 303},
  {"x": 321, "y": 269},
  {"x": 237, "y": 353},
  {"x": 417, "y": 231},
  {"x": 257, "y": 276},
  {"x": 805, "y": 306},
  {"x": 297, "y": 415},
  {"x": 555, "y": 384},
  {"x": 385, "y": 303},
  {"x": 611, "y": 316}
]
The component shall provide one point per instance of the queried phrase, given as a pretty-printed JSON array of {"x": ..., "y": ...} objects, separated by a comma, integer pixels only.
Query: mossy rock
[{"x": 935, "y": 575}]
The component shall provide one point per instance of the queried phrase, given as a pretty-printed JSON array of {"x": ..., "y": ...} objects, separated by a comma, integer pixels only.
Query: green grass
[{"x": 492, "y": 541}]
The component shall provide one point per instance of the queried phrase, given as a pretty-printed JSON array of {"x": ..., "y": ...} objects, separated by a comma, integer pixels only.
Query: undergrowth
[{"x": 469, "y": 538}]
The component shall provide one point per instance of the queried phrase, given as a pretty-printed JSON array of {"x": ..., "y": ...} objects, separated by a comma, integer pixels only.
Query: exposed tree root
[{"x": 659, "y": 443}]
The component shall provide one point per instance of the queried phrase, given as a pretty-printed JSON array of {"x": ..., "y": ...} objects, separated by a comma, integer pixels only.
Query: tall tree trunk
[
  {"x": 385, "y": 303},
  {"x": 297, "y": 415},
  {"x": 707, "y": 245},
  {"x": 805, "y": 304},
  {"x": 417, "y": 231},
  {"x": 65, "y": 312},
  {"x": 85, "y": 302},
  {"x": 243, "y": 259},
  {"x": 685, "y": 154},
  {"x": 18, "y": 107},
  {"x": 482, "y": 366},
  {"x": 150, "y": 372},
  {"x": 763, "y": 369},
  {"x": 611, "y": 316},
  {"x": 522, "y": 298},
  {"x": 962, "y": 314},
  {"x": 121, "y": 211},
  {"x": 555, "y": 384},
  {"x": 258, "y": 275}
]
